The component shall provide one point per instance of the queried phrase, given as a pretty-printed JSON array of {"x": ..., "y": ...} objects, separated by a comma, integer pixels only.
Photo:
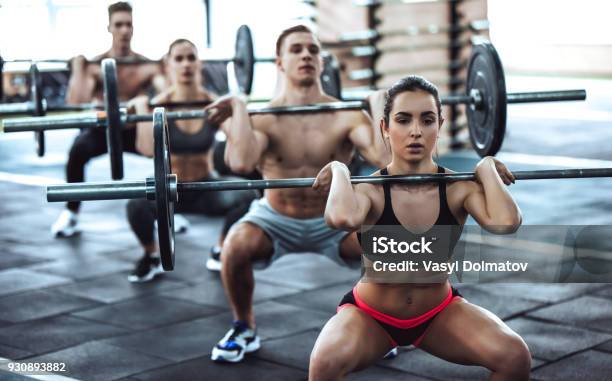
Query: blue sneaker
[{"x": 237, "y": 341}]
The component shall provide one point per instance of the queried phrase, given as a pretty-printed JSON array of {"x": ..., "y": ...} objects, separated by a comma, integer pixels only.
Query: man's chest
[{"x": 308, "y": 139}]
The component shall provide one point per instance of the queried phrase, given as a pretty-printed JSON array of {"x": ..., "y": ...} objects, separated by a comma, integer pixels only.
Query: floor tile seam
[
  {"x": 197, "y": 304},
  {"x": 89, "y": 320},
  {"x": 572, "y": 325},
  {"x": 314, "y": 308},
  {"x": 145, "y": 329},
  {"x": 55, "y": 315},
  {"x": 330, "y": 285},
  {"x": 170, "y": 361},
  {"x": 565, "y": 356},
  {"x": 292, "y": 334},
  {"x": 136, "y": 350}
]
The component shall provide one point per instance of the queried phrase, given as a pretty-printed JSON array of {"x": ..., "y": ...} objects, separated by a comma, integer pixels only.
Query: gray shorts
[{"x": 292, "y": 235}]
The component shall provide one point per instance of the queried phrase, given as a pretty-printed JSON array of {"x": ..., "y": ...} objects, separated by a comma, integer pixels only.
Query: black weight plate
[
  {"x": 165, "y": 189},
  {"x": 244, "y": 62},
  {"x": 330, "y": 77},
  {"x": 487, "y": 123},
  {"x": 38, "y": 108},
  {"x": 113, "y": 117}
]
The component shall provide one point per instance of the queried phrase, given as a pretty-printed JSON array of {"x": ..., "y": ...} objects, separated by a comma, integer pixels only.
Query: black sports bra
[
  {"x": 445, "y": 217},
  {"x": 446, "y": 228},
  {"x": 184, "y": 143}
]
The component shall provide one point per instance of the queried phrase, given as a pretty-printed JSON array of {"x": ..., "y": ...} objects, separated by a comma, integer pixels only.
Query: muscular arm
[
  {"x": 155, "y": 78},
  {"x": 245, "y": 145},
  {"x": 144, "y": 130},
  {"x": 82, "y": 83},
  {"x": 490, "y": 203},
  {"x": 347, "y": 206},
  {"x": 369, "y": 143}
]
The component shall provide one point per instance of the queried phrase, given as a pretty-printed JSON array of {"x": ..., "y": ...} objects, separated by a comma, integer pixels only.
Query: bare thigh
[
  {"x": 465, "y": 333},
  {"x": 351, "y": 340},
  {"x": 248, "y": 240}
]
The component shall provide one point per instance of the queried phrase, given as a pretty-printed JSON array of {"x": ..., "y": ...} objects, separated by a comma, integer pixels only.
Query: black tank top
[
  {"x": 184, "y": 143},
  {"x": 446, "y": 224},
  {"x": 445, "y": 217}
]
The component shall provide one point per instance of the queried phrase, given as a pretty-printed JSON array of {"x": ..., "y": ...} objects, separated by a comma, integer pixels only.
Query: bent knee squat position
[
  {"x": 85, "y": 85},
  {"x": 190, "y": 147},
  {"x": 377, "y": 315},
  {"x": 286, "y": 146}
]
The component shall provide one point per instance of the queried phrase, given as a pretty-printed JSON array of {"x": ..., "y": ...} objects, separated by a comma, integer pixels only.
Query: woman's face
[
  {"x": 413, "y": 126},
  {"x": 183, "y": 64}
]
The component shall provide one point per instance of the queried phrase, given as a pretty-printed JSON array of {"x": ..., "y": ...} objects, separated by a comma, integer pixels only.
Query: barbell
[
  {"x": 243, "y": 59},
  {"x": 115, "y": 117},
  {"x": 37, "y": 106},
  {"x": 164, "y": 188},
  {"x": 485, "y": 97}
]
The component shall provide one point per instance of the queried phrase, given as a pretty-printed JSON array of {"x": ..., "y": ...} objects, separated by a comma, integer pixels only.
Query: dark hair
[
  {"x": 180, "y": 41},
  {"x": 410, "y": 83},
  {"x": 294, "y": 29},
  {"x": 120, "y": 6}
]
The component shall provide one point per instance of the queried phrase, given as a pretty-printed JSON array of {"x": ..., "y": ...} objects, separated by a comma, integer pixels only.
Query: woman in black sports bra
[
  {"x": 376, "y": 317},
  {"x": 190, "y": 144}
]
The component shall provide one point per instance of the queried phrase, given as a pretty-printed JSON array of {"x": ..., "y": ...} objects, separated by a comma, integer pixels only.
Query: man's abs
[{"x": 296, "y": 202}]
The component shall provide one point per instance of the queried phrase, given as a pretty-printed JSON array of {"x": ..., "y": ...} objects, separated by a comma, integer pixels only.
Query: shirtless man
[
  {"x": 85, "y": 85},
  {"x": 286, "y": 146}
]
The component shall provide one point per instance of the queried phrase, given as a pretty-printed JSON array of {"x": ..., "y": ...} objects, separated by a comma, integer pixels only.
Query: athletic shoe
[
  {"x": 66, "y": 224},
  {"x": 391, "y": 354},
  {"x": 147, "y": 268},
  {"x": 236, "y": 342},
  {"x": 213, "y": 263},
  {"x": 181, "y": 224}
]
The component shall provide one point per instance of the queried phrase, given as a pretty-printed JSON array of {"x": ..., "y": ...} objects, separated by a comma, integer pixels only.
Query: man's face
[
  {"x": 300, "y": 58},
  {"x": 120, "y": 26}
]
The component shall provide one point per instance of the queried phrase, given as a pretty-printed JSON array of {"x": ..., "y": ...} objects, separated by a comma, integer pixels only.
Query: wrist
[
  {"x": 237, "y": 101},
  {"x": 338, "y": 167}
]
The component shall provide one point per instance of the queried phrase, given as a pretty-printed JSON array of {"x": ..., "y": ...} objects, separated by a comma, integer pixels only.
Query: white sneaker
[
  {"x": 213, "y": 263},
  {"x": 237, "y": 341},
  {"x": 181, "y": 224},
  {"x": 147, "y": 268},
  {"x": 66, "y": 224}
]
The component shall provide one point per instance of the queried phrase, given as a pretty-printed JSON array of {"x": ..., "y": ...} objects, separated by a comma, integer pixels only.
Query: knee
[
  {"x": 326, "y": 366},
  {"x": 514, "y": 358},
  {"x": 238, "y": 248},
  {"x": 78, "y": 153}
]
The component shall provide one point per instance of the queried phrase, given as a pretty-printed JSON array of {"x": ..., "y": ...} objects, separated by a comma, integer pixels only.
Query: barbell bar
[{"x": 165, "y": 189}]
